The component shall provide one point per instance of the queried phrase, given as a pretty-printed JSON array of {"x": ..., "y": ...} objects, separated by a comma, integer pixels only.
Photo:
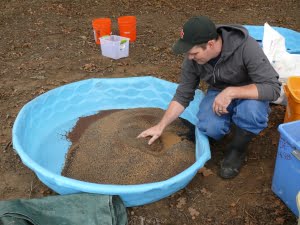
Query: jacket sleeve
[
  {"x": 189, "y": 82},
  {"x": 261, "y": 71}
]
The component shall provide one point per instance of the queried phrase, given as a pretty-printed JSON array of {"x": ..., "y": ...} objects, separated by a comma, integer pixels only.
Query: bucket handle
[
  {"x": 296, "y": 153},
  {"x": 286, "y": 90}
]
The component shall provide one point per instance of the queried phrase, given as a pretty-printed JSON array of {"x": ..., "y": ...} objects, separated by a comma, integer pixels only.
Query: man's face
[{"x": 200, "y": 55}]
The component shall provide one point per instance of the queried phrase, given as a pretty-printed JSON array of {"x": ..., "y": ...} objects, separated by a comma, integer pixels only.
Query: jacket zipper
[{"x": 214, "y": 70}]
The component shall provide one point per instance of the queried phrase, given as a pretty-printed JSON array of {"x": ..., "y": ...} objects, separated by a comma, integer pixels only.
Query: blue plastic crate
[{"x": 286, "y": 179}]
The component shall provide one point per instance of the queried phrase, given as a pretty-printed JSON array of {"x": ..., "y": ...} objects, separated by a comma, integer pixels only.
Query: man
[{"x": 241, "y": 84}]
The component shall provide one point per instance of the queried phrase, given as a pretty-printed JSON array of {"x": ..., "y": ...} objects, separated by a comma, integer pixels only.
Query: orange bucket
[
  {"x": 101, "y": 27},
  {"x": 127, "y": 27},
  {"x": 292, "y": 91}
]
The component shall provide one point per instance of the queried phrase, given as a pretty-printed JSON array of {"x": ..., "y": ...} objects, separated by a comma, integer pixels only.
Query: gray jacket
[{"x": 242, "y": 62}]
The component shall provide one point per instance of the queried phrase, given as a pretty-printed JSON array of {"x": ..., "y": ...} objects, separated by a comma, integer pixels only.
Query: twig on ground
[
  {"x": 245, "y": 193},
  {"x": 237, "y": 201},
  {"x": 188, "y": 221},
  {"x": 262, "y": 170},
  {"x": 250, "y": 215},
  {"x": 7, "y": 145},
  {"x": 31, "y": 188},
  {"x": 142, "y": 220},
  {"x": 195, "y": 198}
]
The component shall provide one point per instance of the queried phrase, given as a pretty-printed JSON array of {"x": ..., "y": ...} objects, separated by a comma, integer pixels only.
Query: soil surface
[
  {"x": 46, "y": 44},
  {"x": 109, "y": 152}
]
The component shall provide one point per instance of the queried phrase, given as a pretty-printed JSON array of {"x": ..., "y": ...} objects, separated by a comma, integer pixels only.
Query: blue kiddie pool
[{"x": 40, "y": 128}]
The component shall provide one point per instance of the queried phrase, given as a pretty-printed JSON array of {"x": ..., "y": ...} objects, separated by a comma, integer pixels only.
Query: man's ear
[{"x": 211, "y": 43}]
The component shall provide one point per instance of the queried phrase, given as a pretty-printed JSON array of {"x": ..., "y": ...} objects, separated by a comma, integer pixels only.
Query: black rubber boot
[{"x": 235, "y": 154}]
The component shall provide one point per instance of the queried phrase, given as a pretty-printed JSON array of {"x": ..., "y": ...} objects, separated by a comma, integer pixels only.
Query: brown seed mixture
[{"x": 105, "y": 148}]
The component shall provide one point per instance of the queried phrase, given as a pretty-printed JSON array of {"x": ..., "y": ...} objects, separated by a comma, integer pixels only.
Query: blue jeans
[{"x": 247, "y": 114}]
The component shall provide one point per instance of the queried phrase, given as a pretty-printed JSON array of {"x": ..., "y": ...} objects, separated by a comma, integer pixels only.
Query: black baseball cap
[{"x": 197, "y": 30}]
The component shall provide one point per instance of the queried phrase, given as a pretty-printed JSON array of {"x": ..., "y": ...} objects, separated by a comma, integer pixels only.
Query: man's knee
[
  {"x": 215, "y": 129},
  {"x": 252, "y": 115}
]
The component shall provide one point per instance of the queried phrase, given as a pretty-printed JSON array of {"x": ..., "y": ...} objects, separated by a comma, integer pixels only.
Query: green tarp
[{"x": 92, "y": 209}]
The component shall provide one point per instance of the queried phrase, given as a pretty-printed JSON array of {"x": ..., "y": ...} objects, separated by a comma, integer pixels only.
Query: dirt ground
[{"x": 45, "y": 44}]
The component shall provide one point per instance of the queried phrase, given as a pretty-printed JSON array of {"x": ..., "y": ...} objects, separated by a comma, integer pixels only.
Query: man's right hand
[
  {"x": 172, "y": 113},
  {"x": 154, "y": 132}
]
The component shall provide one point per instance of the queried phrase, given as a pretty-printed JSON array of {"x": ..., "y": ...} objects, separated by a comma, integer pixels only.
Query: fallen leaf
[
  {"x": 205, "y": 172},
  {"x": 193, "y": 212},
  {"x": 181, "y": 202},
  {"x": 205, "y": 192}
]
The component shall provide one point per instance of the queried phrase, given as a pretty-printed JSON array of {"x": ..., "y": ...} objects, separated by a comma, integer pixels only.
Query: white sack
[{"x": 284, "y": 63}]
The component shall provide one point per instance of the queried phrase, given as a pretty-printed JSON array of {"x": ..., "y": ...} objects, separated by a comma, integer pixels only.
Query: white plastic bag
[{"x": 284, "y": 63}]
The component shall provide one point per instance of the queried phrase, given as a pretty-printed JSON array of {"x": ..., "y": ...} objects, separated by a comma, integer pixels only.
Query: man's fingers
[
  {"x": 214, "y": 107},
  {"x": 153, "y": 133},
  {"x": 217, "y": 110},
  {"x": 154, "y": 137},
  {"x": 142, "y": 135}
]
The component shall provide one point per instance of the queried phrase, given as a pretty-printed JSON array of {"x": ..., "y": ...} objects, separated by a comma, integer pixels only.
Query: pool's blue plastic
[
  {"x": 38, "y": 132},
  {"x": 292, "y": 37}
]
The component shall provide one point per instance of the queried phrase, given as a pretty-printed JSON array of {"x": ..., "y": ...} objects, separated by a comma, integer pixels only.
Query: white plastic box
[{"x": 114, "y": 46}]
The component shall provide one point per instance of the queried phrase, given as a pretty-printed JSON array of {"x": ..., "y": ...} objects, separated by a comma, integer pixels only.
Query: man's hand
[
  {"x": 225, "y": 97},
  {"x": 172, "y": 113},
  {"x": 222, "y": 101},
  {"x": 155, "y": 132}
]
